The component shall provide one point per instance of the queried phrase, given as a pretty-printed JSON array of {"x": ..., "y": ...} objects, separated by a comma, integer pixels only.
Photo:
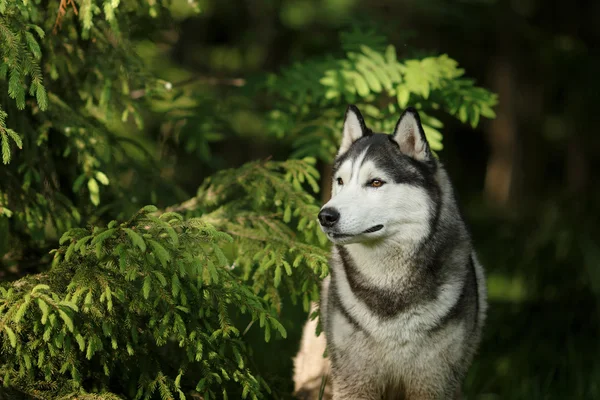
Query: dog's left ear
[
  {"x": 354, "y": 128},
  {"x": 410, "y": 136}
]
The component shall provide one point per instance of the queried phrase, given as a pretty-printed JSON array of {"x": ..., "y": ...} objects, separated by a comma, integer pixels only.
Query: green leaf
[
  {"x": 21, "y": 310},
  {"x": 80, "y": 341},
  {"x": 402, "y": 96},
  {"x": 147, "y": 286},
  {"x": 16, "y": 89},
  {"x": 90, "y": 350},
  {"x": 360, "y": 84},
  {"x": 175, "y": 285},
  {"x": 160, "y": 252},
  {"x": 102, "y": 178},
  {"x": 238, "y": 357},
  {"x": 88, "y": 299},
  {"x": 287, "y": 215},
  {"x": 69, "y": 304},
  {"x": 288, "y": 268},
  {"x": 69, "y": 251},
  {"x": 40, "y": 32},
  {"x": 45, "y": 309},
  {"x": 277, "y": 278},
  {"x": 11, "y": 336},
  {"x": 161, "y": 278},
  {"x": 170, "y": 231},
  {"x": 27, "y": 360},
  {"x": 41, "y": 97},
  {"x": 94, "y": 191},
  {"x": 150, "y": 209},
  {"x": 370, "y": 78},
  {"x": 5, "y": 148},
  {"x": 41, "y": 357},
  {"x": 267, "y": 333},
  {"x": 390, "y": 54},
  {"x": 214, "y": 275},
  {"x": 487, "y": 111},
  {"x": 47, "y": 333},
  {"x": 67, "y": 319},
  {"x": 79, "y": 182},
  {"x": 39, "y": 287},
  {"x": 101, "y": 237},
  {"x": 475, "y": 117},
  {"x": 80, "y": 244},
  {"x": 278, "y": 326},
  {"x": 374, "y": 55},
  {"x": 462, "y": 113},
  {"x": 434, "y": 137},
  {"x": 136, "y": 239},
  {"x": 15, "y": 137}
]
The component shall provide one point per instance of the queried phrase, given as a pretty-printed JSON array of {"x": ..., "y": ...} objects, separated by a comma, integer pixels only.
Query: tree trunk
[
  {"x": 500, "y": 173},
  {"x": 326, "y": 176}
]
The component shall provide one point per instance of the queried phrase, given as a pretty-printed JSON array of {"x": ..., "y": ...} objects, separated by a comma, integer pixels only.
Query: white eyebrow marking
[{"x": 358, "y": 161}]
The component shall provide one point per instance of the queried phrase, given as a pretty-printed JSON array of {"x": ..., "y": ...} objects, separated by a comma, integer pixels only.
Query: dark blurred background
[{"x": 525, "y": 179}]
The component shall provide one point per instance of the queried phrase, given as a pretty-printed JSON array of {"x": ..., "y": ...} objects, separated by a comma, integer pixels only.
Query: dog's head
[{"x": 384, "y": 186}]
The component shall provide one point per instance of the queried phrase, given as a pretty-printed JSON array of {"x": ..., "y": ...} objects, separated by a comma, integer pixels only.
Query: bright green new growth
[
  {"x": 381, "y": 84},
  {"x": 116, "y": 295},
  {"x": 157, "y": 306}
]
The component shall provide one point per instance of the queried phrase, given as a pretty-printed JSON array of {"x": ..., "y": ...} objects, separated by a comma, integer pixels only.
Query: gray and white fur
[{"x": 405, "y": 302}]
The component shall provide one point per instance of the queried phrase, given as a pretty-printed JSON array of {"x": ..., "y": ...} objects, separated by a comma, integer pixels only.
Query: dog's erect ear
[
  {"x": 354, "y": 128},
  {"x": 410, "y": 136}
]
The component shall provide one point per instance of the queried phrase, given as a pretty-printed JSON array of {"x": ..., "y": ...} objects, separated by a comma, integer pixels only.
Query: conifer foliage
[
  {"x": 370, "y": 74},
  {"x": 116, "y": 295},
  {"x": 148, "y": 303}
]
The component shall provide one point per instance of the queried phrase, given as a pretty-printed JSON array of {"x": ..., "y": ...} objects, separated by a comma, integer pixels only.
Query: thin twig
[
  {"x": 206, "y": 80},
  {"x": 248, "y": 328}
]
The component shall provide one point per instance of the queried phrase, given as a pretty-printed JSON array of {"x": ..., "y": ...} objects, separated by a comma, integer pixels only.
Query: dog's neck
[{"x": 384, "y": 264}]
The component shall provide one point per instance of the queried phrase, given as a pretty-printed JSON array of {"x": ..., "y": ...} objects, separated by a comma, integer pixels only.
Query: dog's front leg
[
  {"x": 433, "y": 388},
  {"x": 354, "y": 388},
  {"x": 355, "y": 378}
]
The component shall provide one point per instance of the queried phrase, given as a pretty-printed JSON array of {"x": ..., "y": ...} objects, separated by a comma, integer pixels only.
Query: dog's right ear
[
  {"x": 354, "y": 128},
  {"x": 410, "y": 136}
]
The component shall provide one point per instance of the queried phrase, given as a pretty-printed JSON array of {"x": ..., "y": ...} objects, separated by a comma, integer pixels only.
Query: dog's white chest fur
[
  {"x": 393, "y": 355},
  {"x": 389, "y": 273}
]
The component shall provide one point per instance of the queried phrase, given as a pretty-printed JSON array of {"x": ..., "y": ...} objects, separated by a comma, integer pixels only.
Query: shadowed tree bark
[{"x": 500, "y": 172}]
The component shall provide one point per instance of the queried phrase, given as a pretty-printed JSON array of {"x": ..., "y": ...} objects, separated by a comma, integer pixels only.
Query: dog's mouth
[
  {"x": 370, "y": 230},
  {"x": 374, "y": 229}
]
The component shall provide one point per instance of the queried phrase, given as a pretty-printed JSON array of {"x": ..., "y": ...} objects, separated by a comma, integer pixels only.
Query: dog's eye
[
  {"x": 376, "y": 183},
  {"x": 340, "y": 181}
]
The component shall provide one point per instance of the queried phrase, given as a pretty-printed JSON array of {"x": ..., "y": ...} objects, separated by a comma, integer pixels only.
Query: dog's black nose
[{"x": 328, "y": 217}]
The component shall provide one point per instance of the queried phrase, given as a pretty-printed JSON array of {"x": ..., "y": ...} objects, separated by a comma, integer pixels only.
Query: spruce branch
[{"x": 181, "y": 273}]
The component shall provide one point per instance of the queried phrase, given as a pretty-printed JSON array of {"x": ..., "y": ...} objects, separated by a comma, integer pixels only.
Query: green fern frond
[{"x": 316, "y": 94}]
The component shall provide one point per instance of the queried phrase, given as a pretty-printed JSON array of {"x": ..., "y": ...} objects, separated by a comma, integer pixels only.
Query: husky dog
[{"x": 404, "y": 305}]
